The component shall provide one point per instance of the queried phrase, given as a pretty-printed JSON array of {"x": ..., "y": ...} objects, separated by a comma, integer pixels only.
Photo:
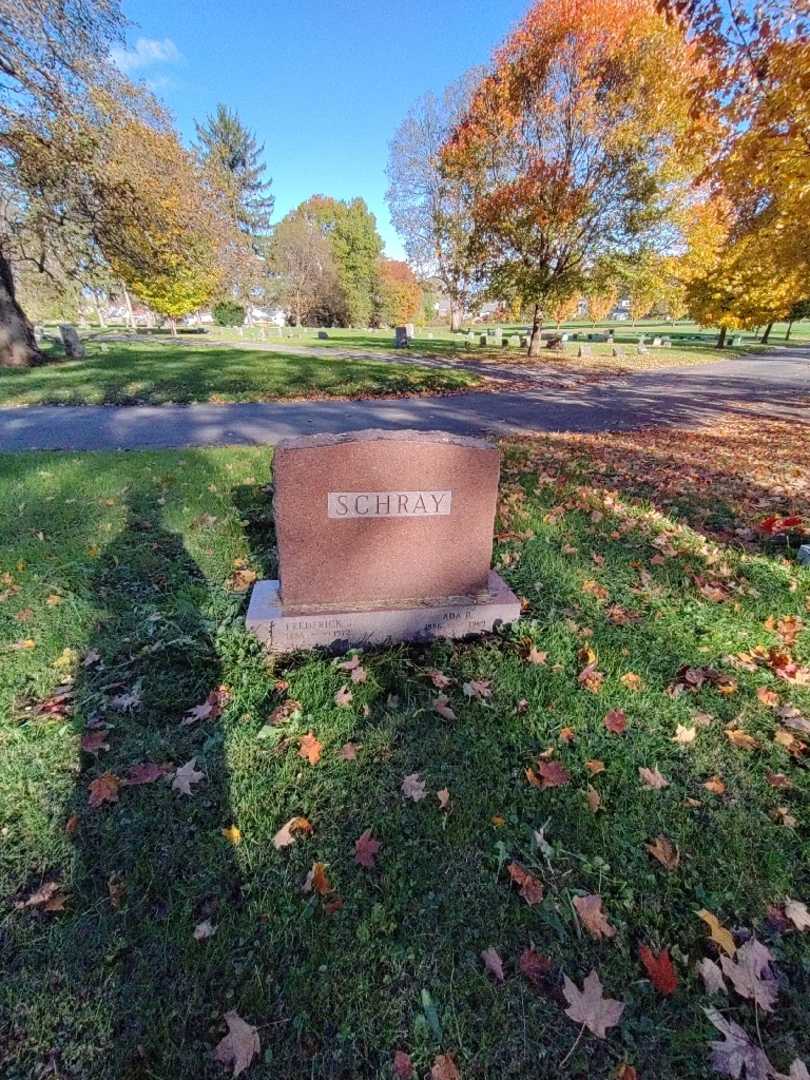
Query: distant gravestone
[
  {"x": 554, "y": 342},
  {"x": 483, "y": 340},
  {"x": 514, "y": 341},
  {"x": 643, "y": 339},
  {"x": 736, "y": 341},
  {"x": 610, "y": 339},
  {"x": 617, "y": 350},
  {"x": 382, "y": 536},
  {"x": 656, "y": 342},
  {"x": 71, "y": 341},
  {"x": 524, "y": 342},
  {"x": 400, "y": 337},
  {"x": 497, "y": 335},
  {"x": 666, "y": 343},
  {"x": 642, "y": 349},
  {"x": 322, "y": 335},
  {"x": 584, "y": 350},
  {"x": 564, "y": 337}
]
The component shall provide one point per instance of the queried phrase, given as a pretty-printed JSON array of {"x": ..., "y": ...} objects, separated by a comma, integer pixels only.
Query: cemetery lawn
[
  {"x": 123, "y": 583},
  {"x": 127, "y": 373}
]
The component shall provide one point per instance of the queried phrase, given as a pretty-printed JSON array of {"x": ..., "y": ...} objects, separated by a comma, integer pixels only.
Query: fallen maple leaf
[
  {"x": 591, "y": 679},
  {"x": 552, "y": 774},
  {"x": 444, "y": 1068},
  {"x": 343, "y": 698},
  {"x": 286, "y": 834},
  {"x": 528, "y": 886},
  {"x": 750, "y": 974},
  {"x": 233, "y": 834},
  {"x": 284, "y": 712},
  {"x": 48, "y": 897},
  {"x": 632, "y": 681},
  {"x": 534, "y": 966},
  {"x": 317, "y": 881},
  {"x": 441, "y": 705},
  {"x": 95, "y": 741},
  {"x": 768, "y": 697},
  {"x": 535, "y": 656},
  {"x": 589, "y": 909},
  {"x": 717, "y": 932},
  {"x": 590, "y": 1007},
  {"x": 477, "y": 688},
  {"x": 715, "y": 785},
  {"x": 365, "y": 849},
  {"x": 240, "y": 580},
  {"x": 403, "y": 1068},
  {"x": 567, "y": 734},
  {"x": 185, "y": 777},
  {"x": 413, "y": 787},
  {"x": 798, "y": 914},
  {"x": 653, "y": 779},
  {"x": 740, "y": 738},
  {"x": 145, "y": 772},
  {"x": 665, "y": 852},
  {"x": 778, "y": 779},
  {"x": 240, "y": 1046},
  {"x": 594, "y": 799},
  {"x": 348, "y": 752},
  {"x": 737, "y": 1053},
  {"x": 684, "y": 736},
  {"x": 660, "y": 970},
  {"x": 204, "y": 930},
  {"x": 616, "y": 721},
  {"x": 309, "y": 748},
  {"x": 443, "y": 795},
  {"x": 104, "y": 789},
  {"x": 493, "y": 963},
  {"x": 439, "y": 679},
  {"x": 712, "y": 976},
  {"x": 595, "y": 767}
]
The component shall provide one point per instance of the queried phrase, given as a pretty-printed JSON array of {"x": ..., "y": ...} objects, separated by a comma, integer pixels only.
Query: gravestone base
[{"x": 285, "y": 629}]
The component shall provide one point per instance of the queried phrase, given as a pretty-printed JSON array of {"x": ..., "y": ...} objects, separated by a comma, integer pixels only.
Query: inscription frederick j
[{"x": 377, "y": 504}]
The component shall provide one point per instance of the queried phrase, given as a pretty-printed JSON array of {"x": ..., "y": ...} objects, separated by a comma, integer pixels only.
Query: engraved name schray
[{"x": 376, "y": 504}]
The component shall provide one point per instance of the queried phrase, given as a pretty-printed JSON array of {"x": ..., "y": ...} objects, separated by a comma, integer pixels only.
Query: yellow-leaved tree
[{"x": 170, "y": 245}]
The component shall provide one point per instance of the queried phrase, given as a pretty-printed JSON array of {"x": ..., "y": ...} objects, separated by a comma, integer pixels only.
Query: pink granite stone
[{"x": 378, "y": 517}]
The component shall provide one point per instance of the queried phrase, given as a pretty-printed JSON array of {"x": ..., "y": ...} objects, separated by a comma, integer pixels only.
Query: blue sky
[{"x": 324, "y": 83}]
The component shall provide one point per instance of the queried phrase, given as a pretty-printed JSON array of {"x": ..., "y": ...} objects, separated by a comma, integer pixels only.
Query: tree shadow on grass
[{"x": 124, "y": 974}]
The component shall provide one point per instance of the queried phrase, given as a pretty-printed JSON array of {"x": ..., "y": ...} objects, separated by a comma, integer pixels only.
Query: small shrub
[{"x": 228, "y": 313}]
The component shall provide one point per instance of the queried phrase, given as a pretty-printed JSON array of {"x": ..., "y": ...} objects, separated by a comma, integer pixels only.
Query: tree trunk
[
  {"x": 456, "y": 316},
  {"x": 790, "y": 327},
  {"x": 18, "y": 347},
  {"x": 767, "y": 334},
  {"x": 535, "y": 341},
  {"x": 173, "y": 326},
  {"x": 721, "y": 341},
  {"x": 99, "y": 314},
  {"x": 128, "y": 305}
]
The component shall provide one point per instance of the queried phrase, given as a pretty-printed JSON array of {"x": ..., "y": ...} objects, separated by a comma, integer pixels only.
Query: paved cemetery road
[{"x": 774, "y": 385}]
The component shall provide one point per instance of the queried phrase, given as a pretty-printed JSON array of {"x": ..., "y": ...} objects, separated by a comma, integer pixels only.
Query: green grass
[
  {"x": 135, "y": 374},
  {"x": 139, "y": 549}
]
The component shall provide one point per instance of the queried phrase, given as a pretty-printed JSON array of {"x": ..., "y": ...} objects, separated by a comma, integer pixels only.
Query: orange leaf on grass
[
  {"x": 317, "y": 881},
  {"x": 665, "y": 852},
  {"x": 104, "y": 789},
  {"x": 660, "y": 970},
  {"x": 309, "y": 748},
  {"x": 589, "y": 909},
  {"x": 403, "y": 1068},
  {"x": 286, "y": 835},
  {"x": 528, "y": 886}
]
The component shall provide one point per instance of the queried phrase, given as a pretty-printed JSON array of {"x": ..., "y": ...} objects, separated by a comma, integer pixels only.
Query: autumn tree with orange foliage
[
  {"x": 751, "y": 113},
  {"x": 571, "y": 147},
  {"x": 400, "y": 292}
]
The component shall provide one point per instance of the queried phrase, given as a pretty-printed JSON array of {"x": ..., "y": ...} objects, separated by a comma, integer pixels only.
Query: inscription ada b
[{"x": 377, "y": 504}]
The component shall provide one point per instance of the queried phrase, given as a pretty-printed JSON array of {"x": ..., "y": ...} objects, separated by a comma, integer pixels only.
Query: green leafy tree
[
  {"x": 228, "y": 313},
  {"x": 356, "y": 246},
  {"x": 229, "y": 149}
]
